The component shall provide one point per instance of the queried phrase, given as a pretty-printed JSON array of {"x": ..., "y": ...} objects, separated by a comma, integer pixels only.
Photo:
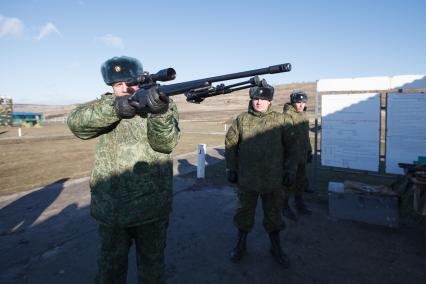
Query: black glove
[
  {"x": 289, "y": 179},
  {"x": 150, "y": 101},
  {"x": 123, "y": 108},
  {"x": 232, "y": 176},
  {"x": 309, "y": 157}
]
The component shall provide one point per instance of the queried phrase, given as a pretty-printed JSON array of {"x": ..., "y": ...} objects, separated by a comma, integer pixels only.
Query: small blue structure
[{"x": 27, "y": 119}]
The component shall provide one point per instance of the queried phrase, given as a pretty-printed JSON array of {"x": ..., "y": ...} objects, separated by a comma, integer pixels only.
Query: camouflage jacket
[
  {"x": 258, "y": 147},
  {"x": 300, "y": 122},
  {"x": 131, "y": 179}
]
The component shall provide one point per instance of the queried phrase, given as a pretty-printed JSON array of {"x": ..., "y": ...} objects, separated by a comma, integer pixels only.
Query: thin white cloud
[
  {"x": 112, "y": 40},
  {"x": 13, "y": 27},
  {"x": 46, "y": 30}
]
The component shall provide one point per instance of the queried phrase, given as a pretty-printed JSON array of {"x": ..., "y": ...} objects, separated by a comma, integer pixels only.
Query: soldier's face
[
  {"x": 121, "y": 89},
  {"x": 299, "y": 106},
  {"x": 260, "y": 105}
]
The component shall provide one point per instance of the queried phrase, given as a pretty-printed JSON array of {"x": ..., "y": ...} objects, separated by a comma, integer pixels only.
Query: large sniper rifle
[{"x": 197, "y": 90}]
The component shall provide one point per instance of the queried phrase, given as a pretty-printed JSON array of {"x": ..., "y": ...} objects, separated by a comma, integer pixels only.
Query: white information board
[
  {"x": 350, "y": 131},
  {"x": 372, "y": 83},
  {"x": 406, "y": 129}
]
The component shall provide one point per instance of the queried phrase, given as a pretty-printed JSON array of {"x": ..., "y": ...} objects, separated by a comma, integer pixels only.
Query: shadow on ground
[{"x": 56, "y": 242}]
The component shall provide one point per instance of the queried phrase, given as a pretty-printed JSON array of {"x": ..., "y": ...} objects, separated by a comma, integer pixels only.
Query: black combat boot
[
  {"x": 301, "y": 206},
  {"x": 288, "y": 212},
  {"x": 276, "y": 250},
  {"x": 240, "y": 249}
]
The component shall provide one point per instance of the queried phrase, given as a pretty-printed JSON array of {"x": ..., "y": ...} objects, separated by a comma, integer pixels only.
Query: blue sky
[{"x": 51, "y": 50}]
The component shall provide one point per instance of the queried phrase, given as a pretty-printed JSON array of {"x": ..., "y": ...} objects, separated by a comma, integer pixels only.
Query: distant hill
[
  {"x": 222, "y": 107},
  {"x": 48, "y": 111},
  {"x": 219, "y": 108}
]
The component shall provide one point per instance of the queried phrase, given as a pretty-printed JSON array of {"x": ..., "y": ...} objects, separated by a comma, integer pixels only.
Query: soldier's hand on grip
[
  {"x": 232, "y": 176},
  {"x": 123, "y": 108},
  {"x": 150, "y": 101},
  {"x": 289, "y": 179}
]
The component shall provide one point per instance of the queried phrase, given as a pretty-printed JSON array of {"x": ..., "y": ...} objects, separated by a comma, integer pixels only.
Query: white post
[
  {"x": 201, "y": 160},
  {"x": 19, "y": 132},
  {"x": 225, "y": 127}
]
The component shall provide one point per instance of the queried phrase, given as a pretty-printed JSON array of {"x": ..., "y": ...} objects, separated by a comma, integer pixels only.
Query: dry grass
[
  {"x": 37, "y": 162},
  {"x": 49, "y": 154},
  {"x": 43, "y": 156}
]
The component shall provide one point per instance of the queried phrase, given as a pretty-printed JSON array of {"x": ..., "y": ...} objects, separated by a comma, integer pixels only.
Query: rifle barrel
[{"x": 179, "y": 88}]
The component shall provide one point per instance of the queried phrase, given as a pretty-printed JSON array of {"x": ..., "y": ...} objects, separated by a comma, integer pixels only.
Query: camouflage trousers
[
  {"x": 246, "y": 209},
  {"x": 300, "y": 184},
  {"x": 150, "y": 241}
]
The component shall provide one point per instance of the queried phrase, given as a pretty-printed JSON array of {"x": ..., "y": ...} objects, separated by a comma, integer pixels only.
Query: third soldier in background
[
  {"x": 258, "y": 161},
  {"x": 296, "y": 110}
]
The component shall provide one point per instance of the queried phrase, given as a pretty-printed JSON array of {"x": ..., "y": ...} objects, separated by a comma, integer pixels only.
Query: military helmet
[
  {"x": 122, "y": 69},
  {"x": 298, "y": 96},
  {"x": 264, "y": 93}
]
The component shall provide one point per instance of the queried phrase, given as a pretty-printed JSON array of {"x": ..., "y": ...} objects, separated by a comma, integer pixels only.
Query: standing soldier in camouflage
[
  {"x": 6, "y": 111},
  {"x": 2, "y": 121},
  {"x": 9, "y": 111},
  {"x": 257, "y": 159},
  {"x": 131, "y": 180},
  {"x": 296, "y": 110}
]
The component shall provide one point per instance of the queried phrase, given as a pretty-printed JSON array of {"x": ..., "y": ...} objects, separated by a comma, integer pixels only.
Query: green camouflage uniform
[
  {"x": 131, "y": 185},
  {"x": 300, "y": 122},
  {"x": 2, "y": 120},
  {"x": 6, "y": 111},
  {"x": 257, "y": 149}
]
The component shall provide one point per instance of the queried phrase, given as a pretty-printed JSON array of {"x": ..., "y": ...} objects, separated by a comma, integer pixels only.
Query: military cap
[
  {"x": 264, "y": 93},
  {"x": 122, "y": 69},
  {"x": 298, "y": 96}
]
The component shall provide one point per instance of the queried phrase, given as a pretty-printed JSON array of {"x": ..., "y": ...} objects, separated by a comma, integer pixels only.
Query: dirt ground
[
  {"x": 48, "y": 236},
  {"x": 55, "y": 241}
]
